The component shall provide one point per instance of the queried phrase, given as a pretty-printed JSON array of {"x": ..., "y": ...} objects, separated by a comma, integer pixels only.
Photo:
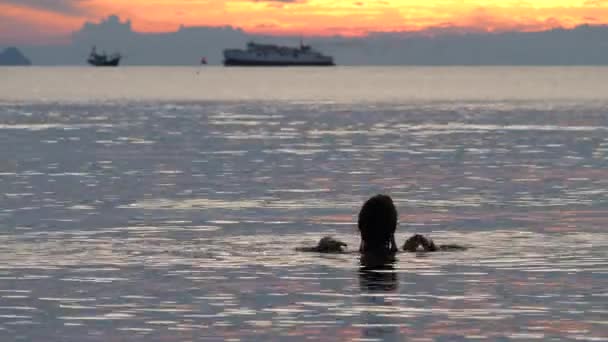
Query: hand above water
[{"x": 417, "y": 240}]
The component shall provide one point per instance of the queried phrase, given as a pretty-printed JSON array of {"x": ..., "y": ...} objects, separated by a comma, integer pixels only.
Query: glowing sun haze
[{"x": 56, "y": 18}]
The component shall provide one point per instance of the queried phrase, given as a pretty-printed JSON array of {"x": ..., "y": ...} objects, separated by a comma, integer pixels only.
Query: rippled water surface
[{"x": 128, "y": 218}]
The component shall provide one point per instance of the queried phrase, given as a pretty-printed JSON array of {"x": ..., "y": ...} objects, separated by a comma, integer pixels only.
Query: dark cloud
[{"x": 60, "y": 6}]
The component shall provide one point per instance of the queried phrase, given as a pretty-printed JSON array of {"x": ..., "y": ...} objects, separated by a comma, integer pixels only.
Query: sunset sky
[{"x": 36, "y": 21}]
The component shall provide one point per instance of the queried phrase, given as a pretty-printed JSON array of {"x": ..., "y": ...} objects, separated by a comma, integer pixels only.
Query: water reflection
[
  {"x": 377, "y": 273},
  {"x": 106, "y": 233},
  {"x": 377, "y": 279}
]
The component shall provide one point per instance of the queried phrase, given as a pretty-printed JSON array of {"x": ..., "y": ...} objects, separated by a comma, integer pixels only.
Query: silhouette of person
[{"x": 377, "y": 223}]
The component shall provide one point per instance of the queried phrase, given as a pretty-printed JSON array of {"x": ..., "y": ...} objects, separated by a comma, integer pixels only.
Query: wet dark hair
[{"x": 377, "y": 223}]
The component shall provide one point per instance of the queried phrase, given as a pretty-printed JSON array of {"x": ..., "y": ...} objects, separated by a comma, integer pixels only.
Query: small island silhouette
[{"x": 12, "y": 56}]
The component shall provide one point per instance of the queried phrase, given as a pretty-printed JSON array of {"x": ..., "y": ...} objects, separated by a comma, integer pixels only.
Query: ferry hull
[
  {"x": 104, "y": 63},
  {"x": 241, "y": 62}
]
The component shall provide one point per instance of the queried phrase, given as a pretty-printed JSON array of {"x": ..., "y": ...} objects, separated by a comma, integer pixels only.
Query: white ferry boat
[{"x": 275, "y": 55}]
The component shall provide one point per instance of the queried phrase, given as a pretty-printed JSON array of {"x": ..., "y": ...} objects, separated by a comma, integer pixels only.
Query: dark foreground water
[{"x": 126, "y": 218}]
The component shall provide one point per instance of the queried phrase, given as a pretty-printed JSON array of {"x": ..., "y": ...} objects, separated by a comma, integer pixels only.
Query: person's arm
[
  {"x": 452, "y": 248},
  {"x": 325, "y": 245}
]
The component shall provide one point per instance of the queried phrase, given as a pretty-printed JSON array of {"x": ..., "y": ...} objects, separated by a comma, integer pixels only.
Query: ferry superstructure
[{"x": 276, "y": 55}]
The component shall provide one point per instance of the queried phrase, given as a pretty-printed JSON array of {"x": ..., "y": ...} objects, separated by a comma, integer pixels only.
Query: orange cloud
[
  {"x": 33, "y": 25},
  {"x": 314, "y": 17}
]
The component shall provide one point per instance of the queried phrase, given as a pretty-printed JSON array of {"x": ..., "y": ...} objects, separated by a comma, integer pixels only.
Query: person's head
[{"x": 377, "y": 224}]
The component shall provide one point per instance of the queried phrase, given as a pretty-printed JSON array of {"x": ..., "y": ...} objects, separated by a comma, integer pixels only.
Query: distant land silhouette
[
  {"x": 12, "y": 56},
  {"x": 583, "y": 45}
]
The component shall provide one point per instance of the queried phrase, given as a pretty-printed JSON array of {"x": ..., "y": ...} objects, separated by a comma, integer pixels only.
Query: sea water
[{"x": 165, "y": 204}]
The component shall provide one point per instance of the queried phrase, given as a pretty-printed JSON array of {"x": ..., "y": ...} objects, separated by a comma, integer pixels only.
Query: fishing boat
[{"x": 102, "y": 59}]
